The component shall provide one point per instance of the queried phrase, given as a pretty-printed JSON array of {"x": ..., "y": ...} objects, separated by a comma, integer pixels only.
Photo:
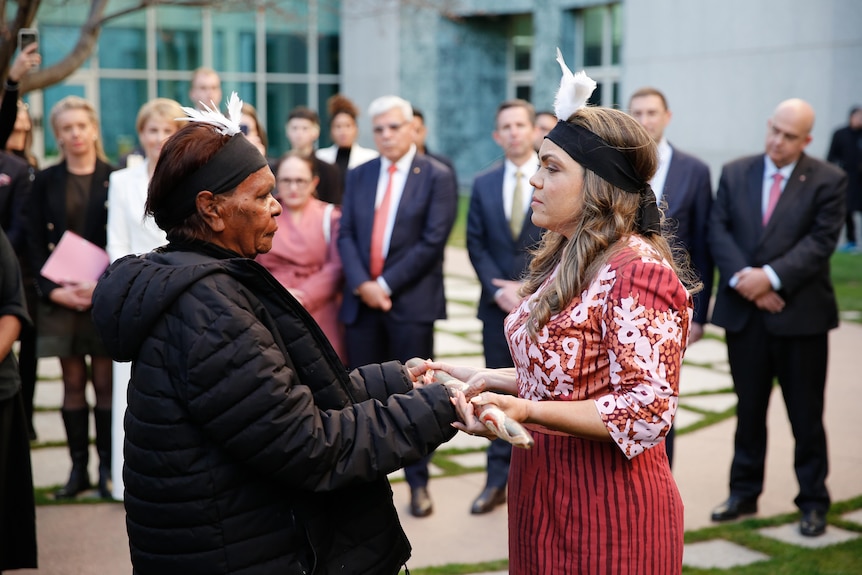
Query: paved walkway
[{"x": 90, "y": 539}]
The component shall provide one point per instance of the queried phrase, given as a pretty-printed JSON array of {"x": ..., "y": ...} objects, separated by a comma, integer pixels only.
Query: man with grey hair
[{"x": 397, "y": 213}]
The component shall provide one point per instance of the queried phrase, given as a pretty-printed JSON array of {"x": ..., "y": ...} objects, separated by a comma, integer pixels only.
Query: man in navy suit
[
  {"x": 774, "y": 225},
  {"x": 397, "y": 213},
  {"x": 682, "y": 186},
  {"x": 500, "y": 233}
]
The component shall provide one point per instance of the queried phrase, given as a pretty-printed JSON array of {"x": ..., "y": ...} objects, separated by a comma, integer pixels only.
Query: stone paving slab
[
  {"x": 695, "y": 379},
  {"x": 447, "y": 344},
  {"x": 49, "y": 368},
  {"x": 49, "y": 426},
  {"x": 49, "y": 394},
  {"x": 464, "y": 292},
  {"x": 459, "y": 325},
  {"x": 790, "y": 534},
  {"x": 51, "y": 465},
  {"x": 854, "y": 516},
  {"x": 717, "y": 403},
  {"x": 706, "y": 351},
  {"x": 471, "y": 460},
  {"x": 455, "y": 309},
  {"x": 720, "y": 554},
  {"x": 686, "y": 417}
]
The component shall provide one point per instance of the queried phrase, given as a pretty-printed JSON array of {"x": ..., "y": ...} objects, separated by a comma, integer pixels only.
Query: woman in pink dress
[
  {"x": 304, "y": 255},
  {"x": 597, "y": 344}
]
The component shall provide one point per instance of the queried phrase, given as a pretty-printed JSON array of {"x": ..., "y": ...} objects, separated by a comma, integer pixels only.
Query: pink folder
[{"x": 75, "y": 260}]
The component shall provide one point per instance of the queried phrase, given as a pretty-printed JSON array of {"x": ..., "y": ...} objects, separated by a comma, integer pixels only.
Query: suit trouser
[
  {"x": 497, "y": 354},
  {"x": 375, "y": 338},
  {"x": 799, "y": 362}
]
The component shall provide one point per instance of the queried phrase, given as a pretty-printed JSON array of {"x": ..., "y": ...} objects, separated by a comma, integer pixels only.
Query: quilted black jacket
[{"x": 249, "y": 449}]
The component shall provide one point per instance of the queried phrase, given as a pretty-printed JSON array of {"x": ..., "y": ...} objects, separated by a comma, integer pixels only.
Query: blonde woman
[
  {"x": 130, "y": 232},
  {"x": 73, "y": 195}
]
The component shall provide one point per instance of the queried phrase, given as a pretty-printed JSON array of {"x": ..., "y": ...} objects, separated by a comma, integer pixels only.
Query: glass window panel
[
  {"x": 123, "y": 48},
  {"x": 327, "y": 54},
  {"x": 280, "y": 100},
  {"x": 523, "y": 92},
  {"x": 56, "y": 42},
  {"x": 593, "y": 24},
  {"x": 617, "y": 32},
  {"x": 287, "y": 37},
  {"x": 178, "y": 38},
  {"x": 522, "y": 51},
  {"x": 286, "y": 53},
  {"x": 176, "y": 90},
  {"x": 522, "y": 25},
  {"x": 52, "y": 95},
  {"x": 233, "y": 41},
  {"x": 247, "y": 91},
  {"x": 120, "y": 101},
  {"x": 324, "y": 92},
  {"x": 328, "y": 30}
]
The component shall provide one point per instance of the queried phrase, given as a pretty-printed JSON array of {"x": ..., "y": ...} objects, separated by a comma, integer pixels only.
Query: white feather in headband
[
  {"x": 575, "y": 90},
  {"x": 225, "y": 125}
]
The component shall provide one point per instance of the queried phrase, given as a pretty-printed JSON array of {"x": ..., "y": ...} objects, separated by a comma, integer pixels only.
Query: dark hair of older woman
[{"x": 249, "y": 448}]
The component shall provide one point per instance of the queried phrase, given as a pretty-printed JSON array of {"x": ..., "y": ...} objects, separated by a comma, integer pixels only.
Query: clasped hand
[
  {"x": 753, "y": 284},
  {"x": 470, "y": 389},
  {"x": 76, "y": 296}
]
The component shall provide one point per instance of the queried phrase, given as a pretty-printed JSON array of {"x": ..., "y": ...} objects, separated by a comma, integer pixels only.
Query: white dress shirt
[
  {"x": 528, "y": 170},
  {"x": 665, "y": 154}
]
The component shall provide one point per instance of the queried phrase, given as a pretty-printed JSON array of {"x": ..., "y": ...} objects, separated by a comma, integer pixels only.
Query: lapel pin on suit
[
  {"x": 802, "y": 178},
  {"x": 416, "y": 170}
]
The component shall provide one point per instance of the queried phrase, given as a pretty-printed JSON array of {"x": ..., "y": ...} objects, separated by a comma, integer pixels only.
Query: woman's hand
[
  {"x": 27, "y": 59},
  {"x": 468, "y": 411},
  {"x": 78, "y": 297}
]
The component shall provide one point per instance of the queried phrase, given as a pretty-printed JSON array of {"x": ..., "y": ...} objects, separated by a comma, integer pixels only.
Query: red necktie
[
  {"x": 774, "y": 194},
  {"x": 381, "y": 216}
]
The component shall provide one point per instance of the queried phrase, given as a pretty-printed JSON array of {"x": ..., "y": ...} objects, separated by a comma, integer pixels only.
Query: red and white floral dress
[{"x": 582, "y": 506}]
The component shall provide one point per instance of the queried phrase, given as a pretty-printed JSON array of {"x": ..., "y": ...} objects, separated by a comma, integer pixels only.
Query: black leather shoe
[
  {"x": 813, "y": 523},
  {"x": 733, "y": 508},
  {"x": 488, "y": 500},
  {"x": 420, "y": 502}
]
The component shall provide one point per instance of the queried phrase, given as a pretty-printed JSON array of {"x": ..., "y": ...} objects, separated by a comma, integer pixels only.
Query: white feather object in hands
[
  {"x": 211, "y": 115},
  {"x": 574, "y": 91}
]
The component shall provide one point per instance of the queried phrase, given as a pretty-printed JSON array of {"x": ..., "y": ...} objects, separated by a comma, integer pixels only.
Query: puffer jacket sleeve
[
  {"x": 380, "y": 380},
  {"x": 239, "y": 390}
]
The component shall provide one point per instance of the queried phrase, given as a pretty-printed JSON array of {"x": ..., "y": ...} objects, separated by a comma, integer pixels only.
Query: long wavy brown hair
[{"x": 608, "y": 214}]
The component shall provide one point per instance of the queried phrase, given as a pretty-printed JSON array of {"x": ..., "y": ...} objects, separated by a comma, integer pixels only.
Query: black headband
[
  {"x": 233, "y": 163},
  {"x": 610, "y": 164}
]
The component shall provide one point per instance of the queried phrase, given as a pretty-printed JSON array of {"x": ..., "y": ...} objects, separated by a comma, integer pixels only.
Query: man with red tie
[
  {"x": 397, "y": 213},
  {"x": 773, "y": 227}
]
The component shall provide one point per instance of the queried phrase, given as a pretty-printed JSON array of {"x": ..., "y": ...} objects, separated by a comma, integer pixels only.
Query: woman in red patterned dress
[{"x": 597, "y": 344}]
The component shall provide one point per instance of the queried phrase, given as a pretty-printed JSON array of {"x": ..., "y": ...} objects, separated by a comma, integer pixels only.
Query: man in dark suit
[
  {"x": 846, "y": 152},
  {"x": 500, "y": 233},
  {"x": 682, "y": 186},
  {"x": 419, "y": 139},
  {"x": 773, "y": 228},
  {"x": 397, "y": 214}
]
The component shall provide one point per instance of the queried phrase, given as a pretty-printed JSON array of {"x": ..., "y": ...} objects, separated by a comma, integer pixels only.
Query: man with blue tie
[
  {"x": 397, "y": 213},
  {"x": 500, "y": 233},
  {"x": 682, "y": 187},
  {"x": 774, "y": 225}
]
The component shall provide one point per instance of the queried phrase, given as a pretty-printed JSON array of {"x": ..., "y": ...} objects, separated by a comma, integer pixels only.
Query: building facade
[{"x": 723, "y": 65}]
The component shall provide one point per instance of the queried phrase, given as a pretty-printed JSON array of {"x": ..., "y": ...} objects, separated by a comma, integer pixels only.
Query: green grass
[
  {"x": 458, "y": 237},
  {"x": 847, "y": 279}
]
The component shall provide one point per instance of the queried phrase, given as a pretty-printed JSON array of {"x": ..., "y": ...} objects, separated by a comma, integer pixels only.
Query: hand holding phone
[
  {"x": 28, "y": 57},
  {"x": 27, "y": 36}
]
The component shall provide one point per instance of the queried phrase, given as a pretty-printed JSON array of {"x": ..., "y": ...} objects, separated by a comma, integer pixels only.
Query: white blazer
[
  {"x": 128, "y": 231},
  {"x": 358, "y": 155}
]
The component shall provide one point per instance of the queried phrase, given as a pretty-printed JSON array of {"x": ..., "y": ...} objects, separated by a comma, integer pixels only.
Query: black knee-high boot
[
  {"x": 103, "y": 447},
  {"x": 77, "y": 422}
]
